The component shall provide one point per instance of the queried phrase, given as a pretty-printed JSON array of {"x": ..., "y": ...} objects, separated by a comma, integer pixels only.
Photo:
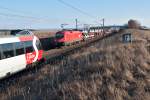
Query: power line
[
  {"x": 18, "y": 16},
  {"x": 13, "y": 10},
  {"x": 22, "y": 15},
  {"x": 80, "y": 11},
  {"x": 25, "y": 17},
  {"x": 75, "y": 8},
  {"x": 33, "y": 18}
]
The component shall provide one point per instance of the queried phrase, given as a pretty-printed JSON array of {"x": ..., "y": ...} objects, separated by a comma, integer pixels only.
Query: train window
[
  {"x": 7, "y": 50},
  {"x": 38, "y": 44},
  {"x": 28, "y": 47},
  {"x": 19, "y": 48},
  {"x": 59, "y": 35}
]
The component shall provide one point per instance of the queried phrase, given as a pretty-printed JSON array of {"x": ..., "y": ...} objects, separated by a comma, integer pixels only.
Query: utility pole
[
  {"x": 103, "y": 25},
  {"x": 76, "y": 23},
  {"x": 62, "y": 26}
]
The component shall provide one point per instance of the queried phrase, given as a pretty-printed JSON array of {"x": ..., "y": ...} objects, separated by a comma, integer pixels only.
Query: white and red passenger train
[{"x": 16, "y": 53}]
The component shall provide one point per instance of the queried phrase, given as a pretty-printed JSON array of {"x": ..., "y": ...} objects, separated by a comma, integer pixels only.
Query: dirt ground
[{"x": 107, "y": 70}]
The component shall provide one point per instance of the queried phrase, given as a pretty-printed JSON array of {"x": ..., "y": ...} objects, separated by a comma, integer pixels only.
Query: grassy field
[{"x": 107, "y": 70}]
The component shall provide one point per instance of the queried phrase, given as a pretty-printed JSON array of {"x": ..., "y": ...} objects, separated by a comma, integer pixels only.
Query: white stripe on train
[{"x": 35, "y": 48}]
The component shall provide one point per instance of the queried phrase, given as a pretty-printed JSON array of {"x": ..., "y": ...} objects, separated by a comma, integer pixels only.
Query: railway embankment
[{"x": 109, "y": 69}]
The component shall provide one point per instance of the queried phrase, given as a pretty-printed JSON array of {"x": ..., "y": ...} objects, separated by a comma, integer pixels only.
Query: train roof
[
  {"x": 11, "y": 39},
  {"x": 15, "y": 33},
  {"x": 5, "y": 39},
  {"x": 14, "y": 36},
  {"x": 69, "y": 31},
  {"x": 7, "y": 36}
]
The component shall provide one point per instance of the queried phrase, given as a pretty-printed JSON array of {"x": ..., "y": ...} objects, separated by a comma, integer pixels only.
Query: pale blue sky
[{"x": 51, "y": 13}]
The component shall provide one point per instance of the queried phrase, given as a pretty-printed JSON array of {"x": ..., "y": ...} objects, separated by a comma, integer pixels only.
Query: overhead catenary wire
[
  {"x": 22, "y": 14},
  {"x": 31, "y": 18},
  {"x": 27, "y": 15},
  {"x": 14, "y": 10},
  {"x": 77, "y": 9},
  {"x": 80, "y": 11}
]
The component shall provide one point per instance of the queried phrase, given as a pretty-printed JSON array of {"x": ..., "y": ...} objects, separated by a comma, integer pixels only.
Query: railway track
[{"x": 51, "y": 58}]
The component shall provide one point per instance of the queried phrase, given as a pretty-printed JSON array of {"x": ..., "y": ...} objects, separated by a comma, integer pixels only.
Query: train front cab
[
  {"x": 59, "y": 39},
  {"x": 33, "y": 52},
  {"x": 16, "y": 56},
  {"x": 68, "y": 37}
]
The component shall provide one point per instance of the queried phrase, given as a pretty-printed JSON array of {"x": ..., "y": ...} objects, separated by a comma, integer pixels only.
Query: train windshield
[{"x": 59, "y": 35}]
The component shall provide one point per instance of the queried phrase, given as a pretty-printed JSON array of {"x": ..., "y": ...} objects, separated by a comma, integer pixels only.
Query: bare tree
[{"x": 134, "y": 24}]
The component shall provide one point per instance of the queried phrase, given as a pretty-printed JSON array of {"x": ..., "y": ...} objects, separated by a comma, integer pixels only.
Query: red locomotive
[{"x": 67, "y": 37}]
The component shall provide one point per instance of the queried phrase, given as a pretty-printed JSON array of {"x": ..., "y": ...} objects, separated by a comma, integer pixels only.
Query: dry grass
[
  {"x": 45, "y": 34},
  {"x": 108, "y": 70}
]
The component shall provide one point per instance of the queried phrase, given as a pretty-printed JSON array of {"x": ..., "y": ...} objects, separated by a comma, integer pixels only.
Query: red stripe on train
[
  {"x": 40, "y": 55},
  {"x": 26, "y": 38},
  {"x": 31, "y": 56}
]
